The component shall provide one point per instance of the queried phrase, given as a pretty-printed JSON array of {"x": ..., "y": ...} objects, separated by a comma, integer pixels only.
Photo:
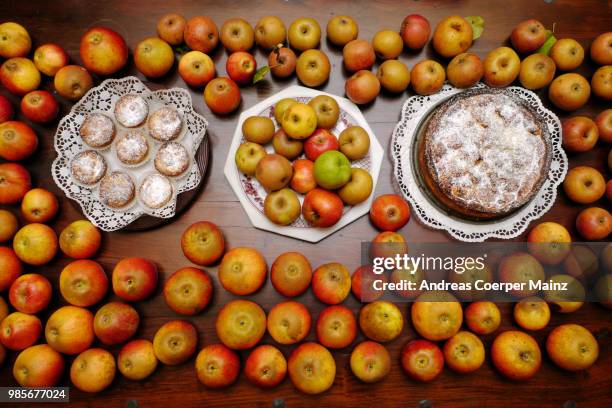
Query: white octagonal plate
[{"x": 251, "y": 194}]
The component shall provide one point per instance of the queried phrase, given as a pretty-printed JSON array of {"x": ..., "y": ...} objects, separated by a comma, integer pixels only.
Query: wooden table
[{"x": 64, "y": 23}]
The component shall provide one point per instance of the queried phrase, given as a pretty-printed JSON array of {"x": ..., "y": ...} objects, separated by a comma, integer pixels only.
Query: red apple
[
  {"x": 49, "y": 58},
  {"x": 217, "y": 366},
  {"x": 389, "y": 212},
  {"x": 331, "y": 283},
  {"x": 115, "y": 323},
  {"x": 528, "y": 36},
  {"x": 580, "y": 134},
  {"x": 19, "y": 75},
  {"x": 30, "y": 293},
  {"x": 14, "y": 182},
  {"x": 69, "y": 330},
  {"x": 319, "y": 142},
  {"x": 322, "y": 208},
  {"x": 103, "y": 51},
  {"x": 11, "y": 268},
  {"x": 594, "y": 223},
  {"x": 362, "y": 284},
  {"x": 362, "y": 87},
  {"x": 80, "y": 239},
  {"x": 312, "y": 368},
  {"x": 415, "y": 31},
  {"x": 603, "y": 121},
  {"x": 222, "y": 96},
  {"x": 370, "y": 361},
  {"x": 266, "y": 366},
  {"x": 241, "y": 67},
  {"x": 38, "y": 366},
  {"x": 6, "y": 109},
  {"x": 39, "y": 205},
  {"x": 17, "y": 141},
  {"x": 336, "y": 327},
  {"x": 39, "y": 106},
  {"x": 422, "y": 360},
  {"x": 83, "y": 283},
  {"x": 196, "y": 68},
  {"x": 19, "y": 331},
  {"x": 188, "y": 291},
  {"x": 303, "y": 179},
  {"x": 134, "y": 279},
  {"x": 358, "y": 55}
]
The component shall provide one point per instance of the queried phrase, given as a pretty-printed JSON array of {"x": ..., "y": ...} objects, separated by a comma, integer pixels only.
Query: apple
[
  {"x": 222, "y": 96},
  {"x": 580, "y": 134},
  {"x": 15, "y": 40},
  {"x": 604, "y": 124},
  {"x": 332, "y": 170},
  {"x": 381, "y": 321},
  {"x": 8, "y": 227},
  {"x": 39, "y": 205},
  {"x": 362, "y": 87},
  {"x": 93, "y": 370},
  {"x": 17, "y": 141},
  {"x": 370, "y": 362},
  {"x": 203, "y": 243},
  {"x": 237, "y": 35},
  {"x": 19, "y": 75},
  {"x": 304, "y": 34},
  {"x": 387, "y": 44},
  {"x": 115, "y": 323},
  {"x": 201, "y": 34},
  {"x": 134, "y": 279},
  {"x": 603, "y": 291},
  {"x": 354, "y": 142},
  {"x": 313, "y": 67},
  {"x": 196, "y": 68},
  {"x": 415, "y": 31},
  {"x": 188, "y": 291},
  {"x": 452, "y": 36},
  {"x": 240, "y": 324},
  {"x": 341, "y": 30},
  {"x": 72, "y": 82},
  {"x": 286, "y": 146},
  {"x": 274, "y": 172},
  {"x": 427, "y": 77},
  {"x": 35, "y": 244},
  {"x": 482, "y": 317},
  {"x": 422, "y": 360},
  {"x": 282, "y": 207},
  {"x": 291, "y": 274},
  {"x": 83, "y": 283},
  {"x": 269, "y": 32},
  {"x": 336, "y": 327},
  {"x": 600, "y": 49},
  {"x": 436, "y": 315},
  {"x": 537, "y": 71},
  {"x": 569, "y": 91},
  {"x": 49, "y": 58},
  {"x": 516, "y": 355},
  {"x": 11, "y": 268},
  {"x": 39, "y": 106},
  {"x": 581, "y": 263},
  {"x": 265, "y": 366},
  {"x": 358, "y": 55},
  {"x": 299, "y": 121},
  {"x": 584, "y": 185},
  {"x": 567, "y": 54},
  {"x": 217, "y": 366},
  {"x": 322, "y": 208},
  {"x": 321, "y": 141},
  {"x": 175, "y": 342},
  {"x": 532, "y": 313},
  {"x": 242, "y": 271},
  {"x": 258, "y": 129},
  {"x": 14, "y": 183},
  {"x": 387, "y": 244},
  {"x": 280, "y": 107},
  {"x": 358, "y": 188},
  {"x": 303, "y": 179},
  {"x": 501, "y": 67},
  {"x": 38, "y": 366},
  {"x": 331, "y": 283},
  {"x": 19, "y": 331},
  {"x": 4, "y": 309},
  {"x": 362, "y": 283},
  {"x": 528, "y": 36},
  {"x": 549, "y": 242},
  {"x": 601, "y": 83},
  {"x": 394, "y": 76},
  {"x": 282, "y": 62},
  {"x": 171, "y": 28},
  {"x": 289, "y": 322},
  {"x": 69, "y": 330},
  {"x": 389, "y": 212},
  {"x": 566, "y": 300},
  {"x": 103, "y": 51},
  {"x": 572, "y": 347},
  {"x": 594, "y": 223},
  {"x": 153, "y": 57},
  {"x": 241, "y": 67},
  {"x": 6, "y": 109},
  {"x": 312, "y": 368},
  {"x": 520, "y": 267},
  {"x": 80, "y": 239},
  {"x": 136, "y": 360},
  {"x": 464, "y": 352}
]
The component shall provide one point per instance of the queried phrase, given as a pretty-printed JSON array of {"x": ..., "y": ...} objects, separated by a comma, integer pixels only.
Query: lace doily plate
[
  {"x": 415, "y": 112},
  {"x": 102, "y": 99}
]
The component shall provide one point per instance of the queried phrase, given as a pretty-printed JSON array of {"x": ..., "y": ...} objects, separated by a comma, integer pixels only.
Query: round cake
[
  {"x": 155, "y": 191},
  {"x": 483, "y": 154},
  {"x": 172, "y": 159},
  {"x": 131, "y": 110},
  {"x": 165, "y": 124},
  {"x": 117, "y": 190},
  {"x": 97, "y": 130},
  {"x": 132, "y": 147},
  {"x": 88, "y": 167}
]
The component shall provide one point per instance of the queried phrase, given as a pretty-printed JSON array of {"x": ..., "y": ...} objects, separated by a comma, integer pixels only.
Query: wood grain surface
[{"x": 64, "y": 22}]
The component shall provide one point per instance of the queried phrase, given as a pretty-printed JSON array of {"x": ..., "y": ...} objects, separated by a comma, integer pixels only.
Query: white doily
[
  {"x": 101, "y": 99},
  {"x": 415, "y": 110}
]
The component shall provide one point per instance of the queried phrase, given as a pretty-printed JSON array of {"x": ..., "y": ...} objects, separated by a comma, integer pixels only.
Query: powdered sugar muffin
[
  {"x": 97, "y": 130},
  {"x": 132, "y": 147},
  {"x": 155, "y": 191},
  {"x": 88, "y": 167},
  {"x": 117, "y": 190},
  {"x": 172, "y": 159},
  {"x": 165, "y": 124},
  {"x": 131, "y": 110}
]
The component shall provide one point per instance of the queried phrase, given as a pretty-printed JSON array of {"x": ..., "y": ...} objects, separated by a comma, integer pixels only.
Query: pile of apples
[{"x": 325, "y": 175}]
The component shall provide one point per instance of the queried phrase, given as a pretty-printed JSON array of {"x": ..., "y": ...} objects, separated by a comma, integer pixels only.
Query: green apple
[{"x": 332, "y": 170}]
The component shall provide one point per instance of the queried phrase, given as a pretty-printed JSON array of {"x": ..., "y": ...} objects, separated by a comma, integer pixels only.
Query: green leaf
[
  {"x": 550, "y": 41},
  {"x": 477, "y": 24},
  {"x": 261, "y": 73},
  {"x": 182, "y": 49}
]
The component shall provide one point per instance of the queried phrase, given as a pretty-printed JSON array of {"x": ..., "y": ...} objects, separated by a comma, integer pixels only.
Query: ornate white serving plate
[
  {"x": 102, "y": 99},
  {"x": 251, "y": 194},
  {"x": 415, "y": 112}
]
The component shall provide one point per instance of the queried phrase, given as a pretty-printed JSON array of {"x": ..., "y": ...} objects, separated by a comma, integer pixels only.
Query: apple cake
[{"x": 483, "y": 154}]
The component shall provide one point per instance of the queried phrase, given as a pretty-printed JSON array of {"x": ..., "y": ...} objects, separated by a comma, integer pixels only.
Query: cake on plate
[{"x": 483, "y": 154}]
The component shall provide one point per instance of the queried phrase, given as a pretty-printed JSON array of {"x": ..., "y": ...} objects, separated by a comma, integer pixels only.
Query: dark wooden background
[{"x": 64, "y": 22}]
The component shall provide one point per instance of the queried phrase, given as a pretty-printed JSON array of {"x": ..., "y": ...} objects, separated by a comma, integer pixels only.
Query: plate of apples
[{"x": 304, "y": 163}]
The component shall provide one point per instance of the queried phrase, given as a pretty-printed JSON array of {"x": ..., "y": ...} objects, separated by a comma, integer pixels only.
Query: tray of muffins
[{"x": 126, "y": 152}]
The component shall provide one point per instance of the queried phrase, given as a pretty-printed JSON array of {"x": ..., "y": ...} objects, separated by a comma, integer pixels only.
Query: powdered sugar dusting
[
  {"x": 97, "y": 130},
  {"x": 132, "y": 147},
  {"x": 172, "y": 159},
  {"x": 131, "y": 110},
  {"x": 165, "y": 124},
  {"x": 117, "y": 189},
  {"x": 155, "y": 191},
  {"x": 88, "y": 167}
]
